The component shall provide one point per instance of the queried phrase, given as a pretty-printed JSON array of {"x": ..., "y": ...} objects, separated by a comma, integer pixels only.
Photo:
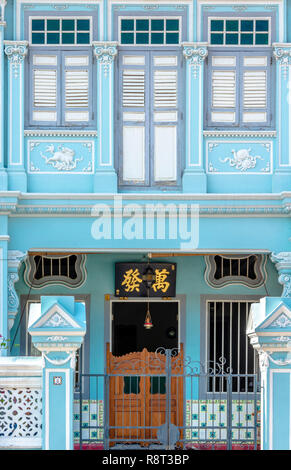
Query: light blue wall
[
  {"x": 100, "y": 281},
  {"x": 271, "y": 172}
]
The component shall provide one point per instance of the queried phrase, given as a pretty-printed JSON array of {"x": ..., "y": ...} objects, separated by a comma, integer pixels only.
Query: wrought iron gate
[{"x": 163, "y": 400}]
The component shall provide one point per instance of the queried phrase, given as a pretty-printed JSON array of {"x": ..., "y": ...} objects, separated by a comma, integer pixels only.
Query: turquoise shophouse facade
[{"x": 145, "y": 147}]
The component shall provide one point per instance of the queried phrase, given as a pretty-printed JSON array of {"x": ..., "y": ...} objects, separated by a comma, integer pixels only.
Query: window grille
[
  {"x": 228, "y": 344},
  {"x": 43, "y": 270},
  {"x": 240, "y": 269}
]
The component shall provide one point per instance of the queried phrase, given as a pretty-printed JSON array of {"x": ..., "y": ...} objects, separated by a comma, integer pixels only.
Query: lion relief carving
[{"x": 62, "y": 158}]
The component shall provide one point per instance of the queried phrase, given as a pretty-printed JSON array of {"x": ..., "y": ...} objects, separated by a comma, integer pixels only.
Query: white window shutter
[
  {"x": 133, "y": 118},
  {"x": 133, "y": 88},
  {"x": 165, "y": 117},
  {"x": 76, "y": 79},
  {"x": 223, "y": 89},
  {"x": 165, "y": 89},
  {"x": 44, "y": 88},
  {"x": 255, "y": 78}
]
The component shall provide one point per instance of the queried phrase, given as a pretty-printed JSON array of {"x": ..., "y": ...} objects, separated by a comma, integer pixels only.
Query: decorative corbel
[
  {"x": 283, "y": 264},
  {"x": 14, "y": 260}
]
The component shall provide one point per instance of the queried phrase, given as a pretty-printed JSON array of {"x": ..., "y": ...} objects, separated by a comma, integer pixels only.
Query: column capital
[
  {"x": 282, "y": 53},
  {"x": 283, "y": 264},
  {"x": 195, "y": 53},
  {"x": 105, "y": 52},
  {"x": 16, "y": 52}
]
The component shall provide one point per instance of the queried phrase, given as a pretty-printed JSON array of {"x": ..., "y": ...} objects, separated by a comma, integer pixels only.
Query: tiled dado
[
  {"x": 92, "y": 415},
  {"x": 212, "y": 414}
]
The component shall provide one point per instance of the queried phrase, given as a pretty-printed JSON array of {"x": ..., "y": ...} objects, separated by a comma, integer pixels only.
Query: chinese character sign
[{"x": 143, "y": 279}]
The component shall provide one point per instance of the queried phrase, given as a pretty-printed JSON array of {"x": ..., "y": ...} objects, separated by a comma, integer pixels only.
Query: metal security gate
[{"x": 163, "y": 400}]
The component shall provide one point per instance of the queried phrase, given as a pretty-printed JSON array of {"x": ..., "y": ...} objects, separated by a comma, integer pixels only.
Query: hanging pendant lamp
[{"x": 148, "y": 320}]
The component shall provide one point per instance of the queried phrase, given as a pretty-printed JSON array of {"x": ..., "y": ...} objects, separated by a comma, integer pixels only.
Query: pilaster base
[
  {"x": 194, "y": 182},
  {"x": 3, "y": 180},
  {"x": 105, "y": 182},
  {"x": 17, "y": 181},
  {"x": 281, "y": 181}
]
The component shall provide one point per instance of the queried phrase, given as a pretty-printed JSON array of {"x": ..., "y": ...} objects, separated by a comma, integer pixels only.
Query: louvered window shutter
[
  {"x": 223, "y": 89},
  {"x": 77, "y": 105},
  {"x": 165, "y": 117},
  {"x": 255, "y": 72},
  {"x": 133, "y": 119},
  {"x": 44, "y": 88}
]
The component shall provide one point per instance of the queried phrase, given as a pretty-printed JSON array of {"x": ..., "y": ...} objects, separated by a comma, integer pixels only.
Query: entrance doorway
[
  {"x": 128, "y": 331},
  {"x": 142, "y": 400}
]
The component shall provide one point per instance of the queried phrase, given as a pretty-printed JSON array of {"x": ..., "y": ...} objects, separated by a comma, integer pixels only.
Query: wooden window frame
[{"x": 149, "y": 181}]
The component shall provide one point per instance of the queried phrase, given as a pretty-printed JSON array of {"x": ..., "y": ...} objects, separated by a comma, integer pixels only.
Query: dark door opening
[{"x": 130, "y": 335}]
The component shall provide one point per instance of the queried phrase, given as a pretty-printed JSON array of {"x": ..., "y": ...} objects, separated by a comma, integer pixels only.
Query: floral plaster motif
[
  {"x": 281, "y": 322},
  {"x": 239, "y": 157},
  {"x": 242, "y": 160}
]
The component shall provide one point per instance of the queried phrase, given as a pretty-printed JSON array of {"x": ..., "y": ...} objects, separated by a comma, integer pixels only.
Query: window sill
[
  {"x": 60, "y": 133},
  {"x": 239, "y": 133}
]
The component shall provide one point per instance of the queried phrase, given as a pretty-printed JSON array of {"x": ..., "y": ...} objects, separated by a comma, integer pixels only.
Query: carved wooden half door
[{"x": 145, "y": 395}]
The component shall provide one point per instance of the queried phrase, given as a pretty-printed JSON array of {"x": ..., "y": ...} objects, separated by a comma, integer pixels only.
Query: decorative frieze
[
  {"x": 105, "y": 53},
  {"x": 195, "y": 54},
  {"x": 16, "y": 52}
]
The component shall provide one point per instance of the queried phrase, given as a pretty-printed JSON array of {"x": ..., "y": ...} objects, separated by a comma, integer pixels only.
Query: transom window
[
  {"x": 239, "y": 269},
  {"x": 149, "y": 31},
  {"x": 239, "y": 32},
  {"x": 60, "y": 31},
  {"x": 67, "y": 270}
]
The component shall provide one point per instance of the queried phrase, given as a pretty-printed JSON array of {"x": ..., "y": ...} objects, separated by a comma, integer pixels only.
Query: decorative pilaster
[
  {"x": 58, "y": 332},
  {"x": 269, "y": 330},
  {"x": 4, "y": 239},
  {"x": 16, "y": 52},
  {"x": 105, "y": 176},
  {"x": 283, "y": 264},
  {"x": 14, "y": 260},
  {"x": 3, "y": 172},
  {"x": 282, "y": 174},
  {"x": 194, "y": 177}
]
